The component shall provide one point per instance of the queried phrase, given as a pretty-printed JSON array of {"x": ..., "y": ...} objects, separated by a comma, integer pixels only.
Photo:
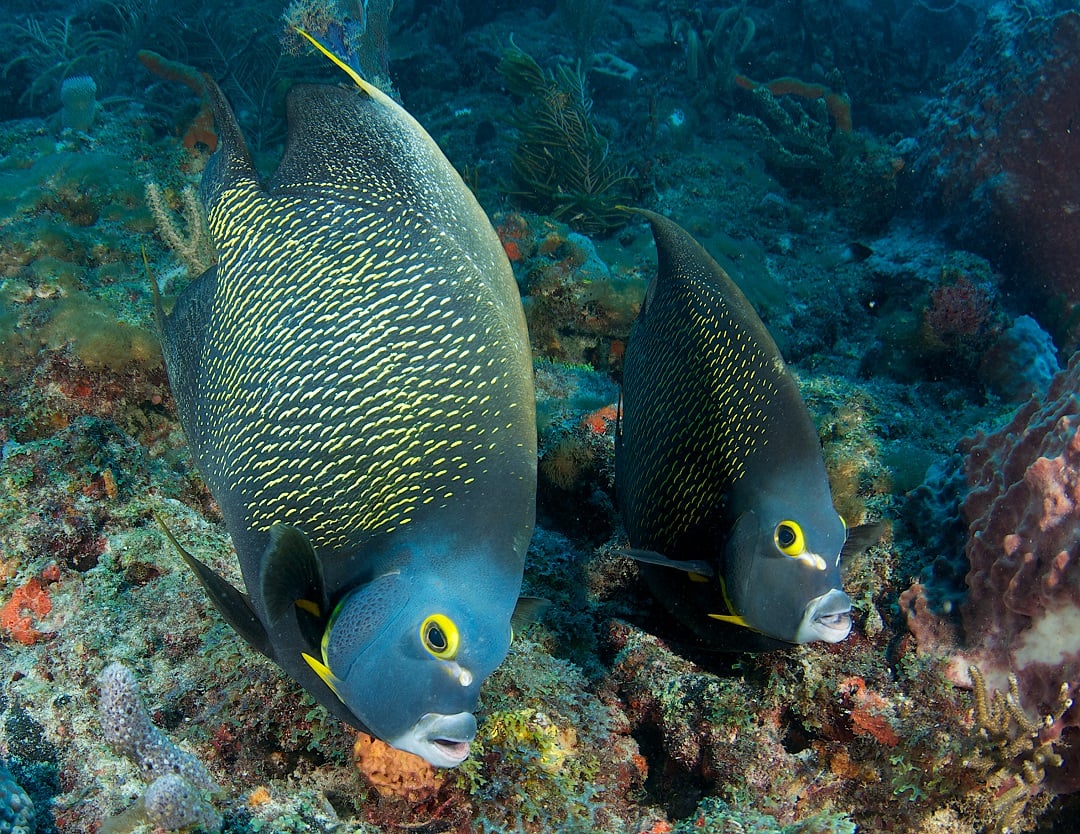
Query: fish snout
[
  {"x": 443, "y": 740},
  {"x": 827, "y": 618}
]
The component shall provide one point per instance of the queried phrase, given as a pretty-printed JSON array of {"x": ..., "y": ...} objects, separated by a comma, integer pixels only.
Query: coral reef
[
  {"x": 1021, "y": 361},
  {"x": 16, "y": 809},
  {"x": 606, "y": 716},
  {"x": 712, "y": 46},
  {"x": 999, "y": 157},
  {"x": 549, "y": 755},
  {"x": 837, "y": 105},
  {"x": 33, "y": 762},
  {"x": 579, "y": 309},
  {"x": 576, "y": 421},
  {"x": 959, "y": 323},
  {"x": 582, "y": 18},
  {"x": 804, "y": 133},
  {"x": 951, "y": 324},
  {"x": 1022, "y": 508}
]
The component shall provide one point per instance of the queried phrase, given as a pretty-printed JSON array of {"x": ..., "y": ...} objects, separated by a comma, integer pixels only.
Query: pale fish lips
[
  {"x": 442, "y": 740},
  {"x": 827, "y": 618}
]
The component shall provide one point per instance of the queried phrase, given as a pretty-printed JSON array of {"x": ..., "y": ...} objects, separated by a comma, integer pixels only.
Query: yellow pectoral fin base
[
  {"x": 323, "y": 671},
  {"x": 734, "y": 619}
]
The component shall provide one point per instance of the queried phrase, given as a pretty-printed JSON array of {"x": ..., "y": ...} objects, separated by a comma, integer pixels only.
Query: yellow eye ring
[
  {"x": 439, "y": 636},
  {"x": 789, "y": 539}
]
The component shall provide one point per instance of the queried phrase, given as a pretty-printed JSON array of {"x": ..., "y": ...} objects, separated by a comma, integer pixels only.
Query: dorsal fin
[{"x": 230, "y": 167}]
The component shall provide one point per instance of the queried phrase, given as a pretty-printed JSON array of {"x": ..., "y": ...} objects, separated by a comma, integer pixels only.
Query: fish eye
[
  {"x": 439, "y": 636},
  {"x": 789, "y": 538}
]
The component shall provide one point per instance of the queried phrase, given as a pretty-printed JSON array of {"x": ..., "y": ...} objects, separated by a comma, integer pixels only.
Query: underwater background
[{"x": 895, "y": 185}]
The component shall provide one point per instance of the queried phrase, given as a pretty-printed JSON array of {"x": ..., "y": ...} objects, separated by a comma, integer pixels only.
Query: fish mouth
[
  {"x": 455, "y": 751},
  {"x": 442, "y": 740},
  {"x": 826, "y": 618}
]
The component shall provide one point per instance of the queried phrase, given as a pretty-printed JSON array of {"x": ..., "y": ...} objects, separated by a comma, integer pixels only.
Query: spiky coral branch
[{"x": 191, "y": 242}]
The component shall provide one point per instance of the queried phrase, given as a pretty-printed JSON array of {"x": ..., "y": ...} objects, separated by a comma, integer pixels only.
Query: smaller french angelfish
[{"x": 718, "y": 468}]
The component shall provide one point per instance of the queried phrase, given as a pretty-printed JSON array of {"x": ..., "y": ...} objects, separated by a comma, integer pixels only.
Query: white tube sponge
[{"x": 78, "y": 95}]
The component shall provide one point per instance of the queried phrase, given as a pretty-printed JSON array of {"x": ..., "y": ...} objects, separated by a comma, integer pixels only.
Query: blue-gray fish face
[
  {"x": 408, "y": 661},
  {"x": 783, "y": 571}
]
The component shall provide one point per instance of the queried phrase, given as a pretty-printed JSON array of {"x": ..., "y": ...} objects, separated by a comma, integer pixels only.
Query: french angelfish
[
  {"x": 355, "y": 382},
  {"x": 718, "y": 468}
]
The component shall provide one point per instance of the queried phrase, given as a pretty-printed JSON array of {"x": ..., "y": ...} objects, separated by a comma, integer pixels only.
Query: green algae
[
  {"x": 714, "y": 816},
  {"x": 546, "y": 753}
]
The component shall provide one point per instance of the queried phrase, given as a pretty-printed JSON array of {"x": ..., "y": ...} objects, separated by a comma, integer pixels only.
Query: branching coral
[
  {"x": 838, "y": 105},
  {"x": 562, "y": 164},
  {"x": 794, "y": 133},
  {"x": 191, "y": 242},
  {"x": 1024, "y": 747},
  {"x": 804, "y": 134}
]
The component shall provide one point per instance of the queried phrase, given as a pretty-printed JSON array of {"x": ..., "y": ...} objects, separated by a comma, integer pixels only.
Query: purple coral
[
  {"x": 1022, "y": 610},
  {"x": 173, "y": 803},
  {"x": 176, "y": 797},
  {"x": 16, "y": 809}
]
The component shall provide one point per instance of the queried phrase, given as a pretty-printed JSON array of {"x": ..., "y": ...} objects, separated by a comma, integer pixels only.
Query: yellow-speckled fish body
[
  {"x": 355, "y": 381},
  {"x": 719, "y": 471}
]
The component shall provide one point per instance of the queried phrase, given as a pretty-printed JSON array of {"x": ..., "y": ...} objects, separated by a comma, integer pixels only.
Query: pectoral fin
[
  {"x": 527, "y": 611},
  {"x": 861, "y": 538},
  {"x": 292, "y": 583},
  {"x": 733, "y": 619},
  {"x": 698, "y": 567}
]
